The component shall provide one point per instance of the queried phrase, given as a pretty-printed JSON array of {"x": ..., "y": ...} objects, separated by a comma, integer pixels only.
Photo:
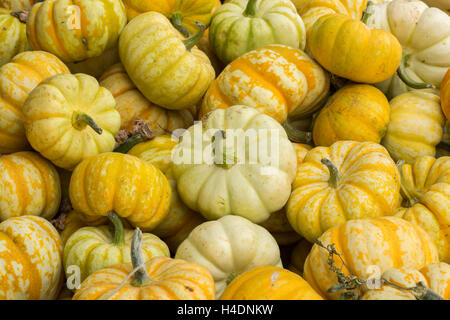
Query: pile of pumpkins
[{"x": 94, "y": 191}]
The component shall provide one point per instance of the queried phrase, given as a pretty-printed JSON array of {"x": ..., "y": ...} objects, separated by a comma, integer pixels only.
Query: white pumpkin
[
  {"x": 228, "y": 247},
  {"x": 222, "y": 167},
  {"x": 424, "y": 34}
]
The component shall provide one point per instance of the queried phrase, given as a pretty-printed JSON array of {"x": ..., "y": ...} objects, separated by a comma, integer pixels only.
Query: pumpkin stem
[
  {"x": 367, "y": 12},
  {"x": 130, "y": 143},
  {"x": 297, "y": 135},
  {"x": 420, "y": 291},
  {"x": 22, "y": 15},
  {"x": 403, "y": 75},
  {"x": 81, "y": 120},
  {"x": 140, "y": 277},
  {"x": 250, "y": 10},
  {"x": 334, "y": 172},
  {"x": 176, "y": 19},
  {"x": 119, "y": 234},
  {"x": 192, "y": 41},
  {"x": 410, "y": 193}
]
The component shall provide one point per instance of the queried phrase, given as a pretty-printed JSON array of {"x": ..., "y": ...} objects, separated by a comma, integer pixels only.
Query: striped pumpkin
[{"x": 13, "y": 36}]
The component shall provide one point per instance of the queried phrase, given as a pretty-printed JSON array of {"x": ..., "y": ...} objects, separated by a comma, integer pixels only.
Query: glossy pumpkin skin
[
  {"x": 160, "y": 65},
  {"x": 216, "y": 188},
  {"x": 50, "y": 118},
  {"x": 426, "y": 189},
  {"x": 131, "y": 104},
  {"x": 387, "y": 242},
  {"x": 277, "y": 80},
  {"x": 171, "y": 279},
  {"x": 269, "y": 283},
  {"x": 96, "y": 66},
  {"x": 16, "y": 5},
  {"x": 445, "y": 94},
  {"x": 134, "y": 189},
  {"x": 435, "y": 276},
  {"x": 17, "y": 79},
  {"x": 29, "y": 185},
  {"x": 416, "y": 125},
  {"x": 355, "y": 112},
  {"x": 236, "y": 30},
  {"x": 413, "y": 24},
  {"x": 228, "y": 247},
  {"x": 349, "y": 49},
  {"x": 13, "y": 36},
  {"x": 368, "y": 186},
  {"x": 180, "y": 220},
  {"x": 94, "y": 248},
  {"x": 75, "y": 221},
  {"x": 31, "y": 259},
  {"x": 190, "y": 10},
  {"x": 75, "y": 30}
]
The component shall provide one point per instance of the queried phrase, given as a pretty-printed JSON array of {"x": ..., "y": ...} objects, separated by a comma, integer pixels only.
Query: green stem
[
  {"x": 130, "y": 143},
  {"x": 297, "y": 135},
  {"x": 403, "y": 75},
  {"x": 192, "y": 41},
  {"x": 367, "y": 13},
  {"x": 119, "y": 234},
  {"x": 81, "y": 120},
  {"x": 334, "y": 172},
  {"x": 413, "y": 196},
  {"x": 140, "y": 277},
  {"x": 176, "y": 19},
  {"x": 250, "y": 10}
]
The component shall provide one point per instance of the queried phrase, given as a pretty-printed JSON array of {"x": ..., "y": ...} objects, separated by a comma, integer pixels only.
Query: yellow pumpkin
[
  {"x": 29, "y": 185},
  {"x": 161, "y": 278},
  {"x": 356, "y": 112},
  {"x": 416, "y": 125},
  {"x": 426, "y": 189},
  {"x": 169, "y": 71},
  {"x": 184, "y": 13},
  {"x": 16, "y": 4},
  {"x": 435, "y": 276},
  {"x": 277, "y": 80},
  {"x": 387, "y": 242},
  {"x": 31, "y": 259},
  {"x": 69, "y": 118},
  {"x": 134, "y": 189},
  {"x": 75, "y": 30},
  {"x": 131, "y": 104},
  {"x": 96, "y": 66},
  {"x": 17, "y": 79},
  {"x": 13, "y": 36},
  {"x": 349, "y": 49},
  {"x": 269, "y": 283},
  {"x": 348, "y": 180}
]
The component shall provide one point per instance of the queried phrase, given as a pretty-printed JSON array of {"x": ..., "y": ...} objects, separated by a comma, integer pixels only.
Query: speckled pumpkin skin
[
  {"x": 75, "y": 30},
  {"x": 387, "y": 242},
  {"x": 17, "y": 79},
  {"x": 131, "y": 104},
  {"x": 369, "y": 187},
  {"x": 269, "y": 283},
  {"x": 349, "y": 49},
  {"x": 160, "y": 66},
  {"x": 29, "y": 185},
  {"x": 277, "y": 80},
  {"x": 134, "y": 189},
  {"x": 172, "y": 279},
  {"x": 13, "y": 36},
  {"x": 31, "y": 259}
]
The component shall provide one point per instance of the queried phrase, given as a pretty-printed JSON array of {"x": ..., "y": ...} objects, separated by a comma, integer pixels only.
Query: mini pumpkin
[
  {"x": 31, "y": 259},
  {"x": 29, "y": 185},
  {"x": 69, "y": 118},
  {"x": 17, "y": 79},
  {"x": 75, "y": 30},
  {"x": 277, "y": 80},
  {"x": 348, "y": 180},
  {"x": 416, "y": 125},
  {"x": 134, "y": 189},
  {"x": 75, "y": 220},
  {"x": 169, "y": 71},
  {"x": 13, "y": 36},
  {"x": 356, "y": 112},
  {"x": 159, "y": 278}
]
